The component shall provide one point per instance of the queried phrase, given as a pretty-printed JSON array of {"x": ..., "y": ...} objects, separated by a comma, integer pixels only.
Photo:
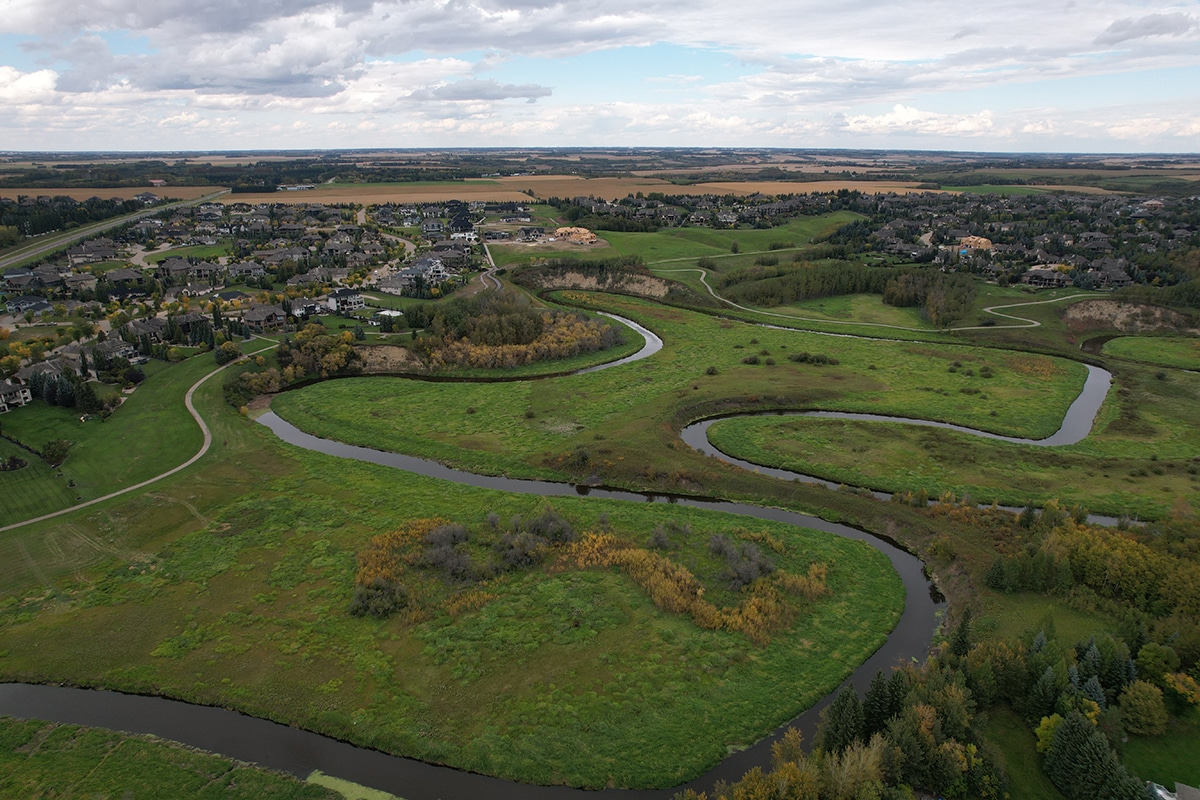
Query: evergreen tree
[
  {"x": 1042, "y": 696},
  {"x": 842, "y": 722},
  {"x": 960, "y": 640},
  {"x": 877, "y": 706}
]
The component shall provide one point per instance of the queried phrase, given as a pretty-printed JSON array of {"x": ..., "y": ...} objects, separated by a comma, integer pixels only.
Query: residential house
[
  {"x": 343, "y": 300},
  {"x": 261, "y": 319},
  {"x": 13, "y": 395}
]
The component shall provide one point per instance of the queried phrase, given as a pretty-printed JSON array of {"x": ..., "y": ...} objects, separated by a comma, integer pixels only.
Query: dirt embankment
[
  {"x": 388, "y": 358},
  {"x": 1092, "y": 315},
  {"x": 640, "y": 285}
]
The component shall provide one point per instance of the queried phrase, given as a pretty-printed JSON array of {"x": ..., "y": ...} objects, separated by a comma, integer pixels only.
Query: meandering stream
[{"x": 300, "y": 752}]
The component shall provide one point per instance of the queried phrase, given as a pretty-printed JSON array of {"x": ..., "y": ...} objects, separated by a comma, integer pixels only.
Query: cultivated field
[{"x": 125, "y": 193}]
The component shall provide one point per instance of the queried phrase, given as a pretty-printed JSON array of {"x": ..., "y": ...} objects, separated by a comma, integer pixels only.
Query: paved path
[
  {"x": 187, "y": 401},
  {"x": 1023, "y": 322}
]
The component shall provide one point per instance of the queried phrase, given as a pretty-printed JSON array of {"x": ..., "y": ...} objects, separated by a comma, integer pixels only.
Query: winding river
[{"x": 300, "y": 752}]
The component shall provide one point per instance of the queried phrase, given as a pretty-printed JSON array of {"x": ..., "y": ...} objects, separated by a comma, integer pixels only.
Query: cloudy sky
[{"x": 1006, "y": 75}]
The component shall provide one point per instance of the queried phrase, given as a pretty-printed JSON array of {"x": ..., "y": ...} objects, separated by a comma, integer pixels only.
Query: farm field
[{"x": 125, "y": 192}]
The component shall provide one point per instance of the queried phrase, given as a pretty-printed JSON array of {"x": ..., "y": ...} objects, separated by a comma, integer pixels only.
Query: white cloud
[{"x": 907, "y": 120}]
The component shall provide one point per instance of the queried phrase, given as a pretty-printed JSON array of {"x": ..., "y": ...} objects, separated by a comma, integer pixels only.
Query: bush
[
  {"x": 380, "y": 599},
  {"x": 750, "y": 360},
  {"x": 54, "y": 452},
  {"x": 551, "y": 526},
  {"x": 228, "y": 351},
  {"x": 816, "y": 359},
  {"x": 519, "y": 550},
  {"x": 710, "y": 371}
]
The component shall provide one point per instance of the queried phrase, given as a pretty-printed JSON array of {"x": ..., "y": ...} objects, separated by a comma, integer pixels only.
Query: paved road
[{"x": 58, "y": 241}]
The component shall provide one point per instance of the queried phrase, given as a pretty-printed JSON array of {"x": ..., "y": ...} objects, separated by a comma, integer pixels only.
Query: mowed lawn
[
  {"x": 32, "y": 490},
  {"x": 148, "y": 434}
]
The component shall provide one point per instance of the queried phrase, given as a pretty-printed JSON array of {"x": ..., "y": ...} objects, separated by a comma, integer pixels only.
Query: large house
[
  {"x": 13, "y": 395},
  {"x": 343, "y": 300}
]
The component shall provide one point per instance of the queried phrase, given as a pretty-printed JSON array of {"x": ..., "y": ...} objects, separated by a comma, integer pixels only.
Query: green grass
[
  {"x": 201, "y": 251},
  {"x": 1015, "y": 744},
  {"x": 249, "y": 611},
  {"x": 150, "y": 433},
  {"x": 1168, "y": 351},
  {"x": 31, "y": 491},
  {"x": 1008, "y": 617},
  {"x": 1169, "y": 758},
  {"x": 1138, "y": 460},
  {"x": 673, "y": 245},
  {"x": 623, "y": 418},
  {"x": 45, "y": 760}
]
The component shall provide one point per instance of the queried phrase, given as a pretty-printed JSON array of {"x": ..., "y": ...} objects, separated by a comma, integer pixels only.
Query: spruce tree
[{"x": 842, "y": 722}]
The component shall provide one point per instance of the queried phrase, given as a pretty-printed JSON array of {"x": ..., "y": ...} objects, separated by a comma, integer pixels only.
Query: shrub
[
  {"x": 551, "y": 526},
  {"x": 753, "y": 359},
  {"x": 710, "y": 371},
  {"x": 519, "y": 550},
  {"x": 380, "y": 599}
]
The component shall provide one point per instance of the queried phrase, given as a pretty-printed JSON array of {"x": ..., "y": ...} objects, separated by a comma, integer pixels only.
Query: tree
[
  {"x": 228, "y": 351},
  {"x": 1143, "y": 709},
  {"x": 842, "y": 722},
  {"x": 960, "y": 640}
]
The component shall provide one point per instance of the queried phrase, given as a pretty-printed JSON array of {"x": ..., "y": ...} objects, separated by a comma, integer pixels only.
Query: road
[{"x": 57, "y": 241}]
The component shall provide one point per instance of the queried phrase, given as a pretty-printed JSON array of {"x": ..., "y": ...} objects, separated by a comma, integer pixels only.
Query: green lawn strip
[
  {"x": 32, "y": 490},
  {"x": 41, "y": 759},
  {"x": 250, "y": 612},
  {"x": 1014, "y": 743},
  {"x": 201, "y": 251},
  {"x": 1168, "y": 351},
  {"x": 149, "y": 433},
  {"x": 1169, "y": 758}
]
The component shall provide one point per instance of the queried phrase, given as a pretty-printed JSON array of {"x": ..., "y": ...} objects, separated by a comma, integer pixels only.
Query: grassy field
[
  {"x": 1138, "y": 461},
  {"x": 673, "y": 245},
  {"x": 1168, "y": 758},
  {"x": 202, "y": 251},
  {"x": 623, "y": 418},
  {"x": 1015, "y": 744},
  {"x": 1167, "y": 351},
  {"x": 249, "y": 610},
  {"x": 44, "y": 760},
  {"x": 150, "y": 433}
]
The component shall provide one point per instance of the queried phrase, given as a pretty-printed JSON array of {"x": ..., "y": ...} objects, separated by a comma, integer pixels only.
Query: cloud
[
  {"x": 906, "y": 120},
  {"x": 1123, "y": 30},
  {"x": 481, "y": 90}
]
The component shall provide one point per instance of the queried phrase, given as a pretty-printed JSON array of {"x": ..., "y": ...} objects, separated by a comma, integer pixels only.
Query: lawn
[
  {"x": 32, "y": 490},
  {"x": 1015, "y": 744},
  {"x": 1182, "y": 352},
  {"x": 148, "y": 434},
  {"x": 201, "y": 251},
  {"x": 1168, "y": 758},
  {"x": 44, "y": 760}
]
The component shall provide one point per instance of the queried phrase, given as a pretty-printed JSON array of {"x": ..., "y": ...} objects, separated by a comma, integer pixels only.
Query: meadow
[
  {"x": 41, "y": 759},
  {"x": 1140, "y": 460},
  {"x": 1182, "y": 352},
  {"x": 615, "y": 426},
  {"x": 248, "y": 609}
]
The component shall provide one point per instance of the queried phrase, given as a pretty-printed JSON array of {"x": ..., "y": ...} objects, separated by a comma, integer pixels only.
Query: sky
[{"x": 1003, "y": 76}]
